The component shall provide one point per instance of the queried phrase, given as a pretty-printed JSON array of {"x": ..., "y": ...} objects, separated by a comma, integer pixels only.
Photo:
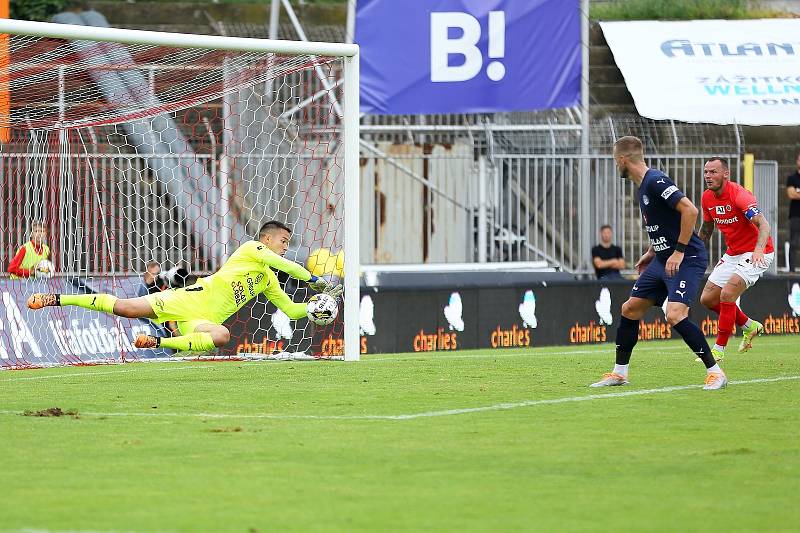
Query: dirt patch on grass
[
  {"x": 52, "y": 412},
  {"x": 236, "y": 429},
  {"x": 736, "y": 451}
]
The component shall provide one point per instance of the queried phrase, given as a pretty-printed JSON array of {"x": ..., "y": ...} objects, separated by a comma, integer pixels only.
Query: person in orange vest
[{"x": 30, "y": 253}]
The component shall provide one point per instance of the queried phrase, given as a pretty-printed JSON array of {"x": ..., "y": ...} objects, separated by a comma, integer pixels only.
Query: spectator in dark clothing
[
  {"x": 793, "y": 192},
  {"x": 152, "y": 280},
  {"x": 606, "y": 257}
]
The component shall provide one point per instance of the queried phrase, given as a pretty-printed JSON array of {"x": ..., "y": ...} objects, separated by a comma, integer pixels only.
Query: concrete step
[
  {"x": 600, "y": 109},
  {"x": 133, "y": 13},
  {"x": 601, "y": 56},
  {"x": 605, "y": 74},
  {"x": 197, "y": 29},
  {"x": 771, "y": 134},
  {"x": 611, "y": 93}
]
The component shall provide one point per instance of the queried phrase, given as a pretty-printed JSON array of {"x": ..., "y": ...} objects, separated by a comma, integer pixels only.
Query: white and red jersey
[{"x": 731, "y": 211}]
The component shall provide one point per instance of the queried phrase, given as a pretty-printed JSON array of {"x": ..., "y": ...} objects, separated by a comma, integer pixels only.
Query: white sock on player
[
  {"x": 718, "y": 347},
  {"x": 622, "y": 370},
  {"x": 714, "y": 370}
]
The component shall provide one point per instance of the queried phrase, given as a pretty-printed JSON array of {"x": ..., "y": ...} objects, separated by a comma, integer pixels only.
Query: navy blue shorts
[{"x": 654, "y": 284}]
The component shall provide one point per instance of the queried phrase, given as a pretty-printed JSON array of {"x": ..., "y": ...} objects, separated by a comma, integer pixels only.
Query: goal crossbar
[{"x": 178, "y": 40}]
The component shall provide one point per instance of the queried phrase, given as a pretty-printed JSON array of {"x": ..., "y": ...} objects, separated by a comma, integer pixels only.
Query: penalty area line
[{"x": 433, "y": 414}]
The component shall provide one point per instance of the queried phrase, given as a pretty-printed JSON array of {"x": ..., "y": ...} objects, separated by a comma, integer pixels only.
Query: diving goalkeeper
[{"x": 200, "y": 309}]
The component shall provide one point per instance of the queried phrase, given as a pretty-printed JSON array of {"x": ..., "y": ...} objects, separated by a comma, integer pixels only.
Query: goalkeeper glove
[
  {"x": 318, "y": 284},
  {"x": 334, "y": 291}
]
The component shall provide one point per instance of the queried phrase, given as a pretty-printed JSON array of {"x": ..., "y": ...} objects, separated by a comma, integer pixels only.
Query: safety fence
[{"x": 419, "y": 205}]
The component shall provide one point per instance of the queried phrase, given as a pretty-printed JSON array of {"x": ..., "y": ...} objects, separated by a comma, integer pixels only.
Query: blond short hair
[{"x": 631, "y": 147}]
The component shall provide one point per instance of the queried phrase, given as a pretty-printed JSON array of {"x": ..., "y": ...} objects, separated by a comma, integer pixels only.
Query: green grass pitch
[{"x": 468, "y": 441}]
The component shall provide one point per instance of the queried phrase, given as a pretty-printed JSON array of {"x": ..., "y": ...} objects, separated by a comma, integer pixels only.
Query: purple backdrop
[{"x": 468, "y": 56}]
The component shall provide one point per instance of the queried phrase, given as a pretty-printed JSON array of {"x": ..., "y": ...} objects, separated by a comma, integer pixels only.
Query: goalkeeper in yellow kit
[{"x": 200, "y": 309}]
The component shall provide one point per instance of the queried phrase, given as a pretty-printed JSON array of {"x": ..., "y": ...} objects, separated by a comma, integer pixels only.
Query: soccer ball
[
  {"x": 322, "y": 309},
  {"x": 44, "y": 269}
]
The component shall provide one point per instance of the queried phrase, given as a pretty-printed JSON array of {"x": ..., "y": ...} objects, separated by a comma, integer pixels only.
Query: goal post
[
  {"x": 133, "y": 147},
  {"x": 352, "y": 263}
]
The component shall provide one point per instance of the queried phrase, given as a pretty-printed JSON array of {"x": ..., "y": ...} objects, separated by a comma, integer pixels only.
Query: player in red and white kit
[{"x": 734, "y": 210}]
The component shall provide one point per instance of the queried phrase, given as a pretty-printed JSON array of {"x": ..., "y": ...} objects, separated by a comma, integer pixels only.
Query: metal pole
[
  {"x": 218, "y": 178},
  {"x": 274, "y": 15},
  {"x": 585, "y": 181},
  {"x": 225, "y": 164},
  {"x": 350, "y": 32},
  {"x": 483, "y": 227},
  {"x": 352, "y": 178},
  {"x": 317, "y": 69}
]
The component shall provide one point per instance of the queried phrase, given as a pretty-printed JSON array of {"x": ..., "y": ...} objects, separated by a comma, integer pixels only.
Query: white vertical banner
[{"x": 717, "y": 71}]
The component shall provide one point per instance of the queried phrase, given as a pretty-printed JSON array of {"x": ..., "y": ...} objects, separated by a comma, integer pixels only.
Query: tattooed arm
[{"x": 706, "y": 230}]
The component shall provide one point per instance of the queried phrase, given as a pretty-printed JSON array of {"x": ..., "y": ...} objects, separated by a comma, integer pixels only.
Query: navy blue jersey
[{"x": 658, "y": 196}]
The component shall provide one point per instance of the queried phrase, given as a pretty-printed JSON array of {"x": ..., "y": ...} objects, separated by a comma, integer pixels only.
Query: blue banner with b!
[{"x": 468, "y": 56}]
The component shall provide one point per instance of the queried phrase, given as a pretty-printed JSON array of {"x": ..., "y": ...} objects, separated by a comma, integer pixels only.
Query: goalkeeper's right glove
[
  {"x": 320, "y": 284},
  {"x": 334, "y": 291}
]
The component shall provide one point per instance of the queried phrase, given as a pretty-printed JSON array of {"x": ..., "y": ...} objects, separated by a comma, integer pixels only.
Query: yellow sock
[
  {"x": 96, "y": 302},
  {"x": 196, "y": 342}
]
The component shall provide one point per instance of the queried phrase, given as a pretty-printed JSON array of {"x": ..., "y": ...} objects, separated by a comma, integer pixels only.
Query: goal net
[{"x": 143, "y": 160}]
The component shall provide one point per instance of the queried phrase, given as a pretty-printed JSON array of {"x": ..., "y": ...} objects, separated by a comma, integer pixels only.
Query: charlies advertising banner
[
  {"x": 468, "y": 56},
  {"x": 390, "y": 321},
  {"x": 718, "y": 71},
  {"x": 446, "y": 320}
]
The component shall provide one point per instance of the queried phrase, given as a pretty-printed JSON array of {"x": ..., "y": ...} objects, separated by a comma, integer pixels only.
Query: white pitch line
[
  {"x": 433, "y": 414},
  {"x": 104, "y": 373},
  {"x": 37, "y": 530}
]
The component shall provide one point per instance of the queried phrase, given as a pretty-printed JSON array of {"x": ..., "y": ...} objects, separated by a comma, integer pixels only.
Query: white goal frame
[{"x": 350, "y": 120}]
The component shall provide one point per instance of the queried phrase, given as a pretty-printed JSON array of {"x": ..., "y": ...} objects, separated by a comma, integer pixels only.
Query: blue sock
[
  {"x": 627, "y": 335},
  {"x": 695, "y": 340}
]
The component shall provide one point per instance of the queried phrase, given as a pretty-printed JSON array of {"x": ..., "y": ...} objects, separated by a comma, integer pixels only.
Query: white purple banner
[
  {"x": 718, "y": 71},
  {"x": 468, "y": 56}
]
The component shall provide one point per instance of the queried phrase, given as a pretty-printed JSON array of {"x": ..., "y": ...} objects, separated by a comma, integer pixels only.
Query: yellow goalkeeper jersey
[{"x": 245, "y": 275}]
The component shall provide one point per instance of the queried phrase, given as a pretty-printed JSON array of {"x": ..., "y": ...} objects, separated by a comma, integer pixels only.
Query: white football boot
[
  {"x": 610, "y": 379},
  {"x": 715, "y": 381}
]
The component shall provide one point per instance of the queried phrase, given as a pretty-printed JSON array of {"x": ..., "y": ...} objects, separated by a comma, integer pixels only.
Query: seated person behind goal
[
  {"x": 30, "y": 253},
  {"x": 200, "y": 309},
  {"x": 606, "y": 257}
]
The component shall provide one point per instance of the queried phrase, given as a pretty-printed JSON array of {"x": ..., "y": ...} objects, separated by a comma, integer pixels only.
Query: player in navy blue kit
[{"x": 671, "y": 269}]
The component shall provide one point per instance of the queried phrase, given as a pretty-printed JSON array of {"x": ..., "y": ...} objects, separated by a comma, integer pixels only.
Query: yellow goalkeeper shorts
[{"x": 189, "y": 309}]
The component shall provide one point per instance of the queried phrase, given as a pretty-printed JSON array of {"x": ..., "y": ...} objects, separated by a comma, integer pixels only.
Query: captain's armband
[{"x": 752, "y": 212}]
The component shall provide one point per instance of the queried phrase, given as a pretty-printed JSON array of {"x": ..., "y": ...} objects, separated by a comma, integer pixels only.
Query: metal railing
[
  {"x": 766, "y": 190},
  {"x": 104, "y": 213},
  {"x": 535, "y": 208},
  {"x": 107, "y": 213},
  {"x": 482, "y": 192}
]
